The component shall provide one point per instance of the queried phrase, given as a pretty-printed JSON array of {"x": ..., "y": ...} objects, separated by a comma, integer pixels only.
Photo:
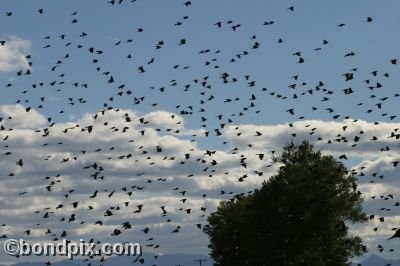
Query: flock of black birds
[{"x": 102, "y": 202}]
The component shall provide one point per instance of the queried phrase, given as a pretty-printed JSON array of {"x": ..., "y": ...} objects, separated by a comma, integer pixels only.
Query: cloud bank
[{"x": 147, "y": 169}]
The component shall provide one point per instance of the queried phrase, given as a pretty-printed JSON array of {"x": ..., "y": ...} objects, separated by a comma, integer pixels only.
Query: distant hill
[
  {"x": 163, "y": 260},
  {"x": 375, "y": 260},
  {"x": 180, "y": 259}
]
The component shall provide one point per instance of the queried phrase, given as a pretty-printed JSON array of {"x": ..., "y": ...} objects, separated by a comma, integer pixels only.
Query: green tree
[{"x": 299, "y": 216}]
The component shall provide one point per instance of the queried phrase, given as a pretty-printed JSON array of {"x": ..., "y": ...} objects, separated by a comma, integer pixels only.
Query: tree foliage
[{"x": 300, "y": 216}]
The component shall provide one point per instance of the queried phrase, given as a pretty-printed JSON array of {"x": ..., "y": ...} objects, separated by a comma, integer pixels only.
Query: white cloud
[
  {"x": 13, "y": 54},
  {"x": 18, "y": 117},
  {"x": 332, "y": 137}
]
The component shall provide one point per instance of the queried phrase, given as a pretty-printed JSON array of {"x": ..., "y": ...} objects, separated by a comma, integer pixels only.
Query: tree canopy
[{"x": 299, "y": 216}]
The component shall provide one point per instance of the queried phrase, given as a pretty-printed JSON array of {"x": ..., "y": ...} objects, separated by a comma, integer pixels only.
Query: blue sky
[{"x": 271, "y": 66}]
